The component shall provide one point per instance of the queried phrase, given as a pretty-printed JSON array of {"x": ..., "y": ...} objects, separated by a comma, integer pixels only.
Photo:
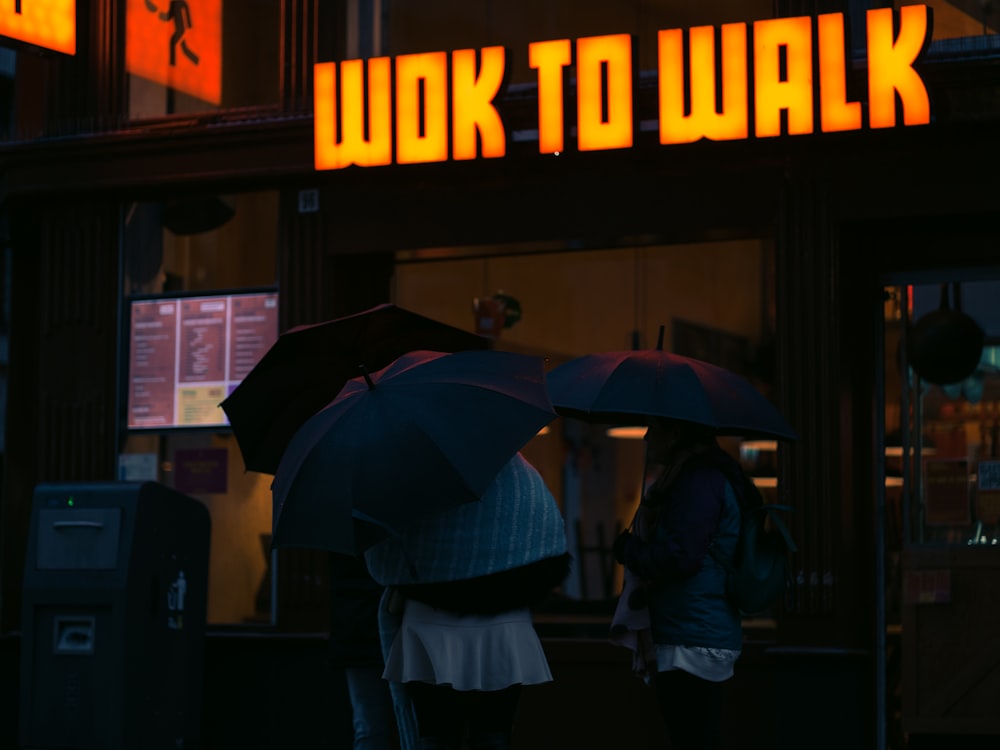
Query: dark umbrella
[
  {"x": 308, "y": 365},
  {"x": 427, "y": 433},
  {"x": 625, "y": 387}
]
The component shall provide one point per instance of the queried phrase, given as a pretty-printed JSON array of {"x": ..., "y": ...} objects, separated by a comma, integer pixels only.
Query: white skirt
[{"x": 468, "y": 652}]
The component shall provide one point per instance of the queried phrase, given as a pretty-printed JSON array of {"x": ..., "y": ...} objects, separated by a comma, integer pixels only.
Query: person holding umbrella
[
  {"x": 696, "y": 629},
  {"x": 675, "y": 613},
  {"x": 464, "y": 641},
  {"x": 416, "y": 466}
]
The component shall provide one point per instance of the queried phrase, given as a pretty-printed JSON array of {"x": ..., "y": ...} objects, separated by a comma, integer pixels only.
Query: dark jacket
[{"x": 687, "y": 586}]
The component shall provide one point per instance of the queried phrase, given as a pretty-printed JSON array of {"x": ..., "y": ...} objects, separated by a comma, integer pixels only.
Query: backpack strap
[
  {"x": 768, "y": 509},
  {"x": 779, "y": 524}
]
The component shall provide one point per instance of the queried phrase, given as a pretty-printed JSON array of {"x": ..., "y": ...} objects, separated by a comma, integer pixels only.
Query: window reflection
[
  {"x": 952, "y": 437},
  {"x": 957, "y": 20},
  {"x": 423, "y": 25}
]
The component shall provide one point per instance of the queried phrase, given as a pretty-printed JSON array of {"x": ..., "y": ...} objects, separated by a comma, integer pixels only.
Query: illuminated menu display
[{"x": 188, "y": 353}]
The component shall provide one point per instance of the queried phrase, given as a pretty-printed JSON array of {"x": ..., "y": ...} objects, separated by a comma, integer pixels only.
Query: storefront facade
[{"x": 796, "y": 257}]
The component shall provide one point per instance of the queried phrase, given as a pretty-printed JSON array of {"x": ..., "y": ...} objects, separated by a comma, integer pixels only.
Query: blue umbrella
[
  {"x": 627, "y": 387},
  {"x": 428, "y": 432}
]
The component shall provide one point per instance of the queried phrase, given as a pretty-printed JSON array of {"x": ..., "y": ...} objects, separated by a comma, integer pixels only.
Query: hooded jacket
[{"x": 688, "y": 603}]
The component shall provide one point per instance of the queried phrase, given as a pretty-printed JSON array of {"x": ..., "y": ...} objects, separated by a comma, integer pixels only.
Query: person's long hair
[{"x": 697, "y": 446}]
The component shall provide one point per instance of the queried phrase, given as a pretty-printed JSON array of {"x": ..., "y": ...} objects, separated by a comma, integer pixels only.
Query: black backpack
[{"x": 759, "y": 574}]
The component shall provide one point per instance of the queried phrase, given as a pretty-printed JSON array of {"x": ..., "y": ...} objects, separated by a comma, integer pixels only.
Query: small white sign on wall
[
  {"x": 137, "y": 467},
  {"x": 308, "y": 201}
]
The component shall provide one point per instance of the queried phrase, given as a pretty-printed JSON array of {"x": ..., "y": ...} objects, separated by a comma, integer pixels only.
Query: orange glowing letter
[
  {"x": 352, "y": 147},
  {"x": 793, "y": 91},
  {"x": 703, "y": 121},
  {"x": 422, "y": 108},
  {"x": 472, "y": 103},
  {"x": 835, "y": 112},
  {"x": 45, "y": 23},
  {"x": 550, "y": 59},
  {"x": 598, "y": 128},
  {"x": 890, "y": 66}
]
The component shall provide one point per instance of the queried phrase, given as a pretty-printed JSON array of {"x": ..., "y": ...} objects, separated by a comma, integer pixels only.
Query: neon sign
[
  {"x": 44, "y": 23},
  {"x": 791, "y": 68},
  {"x": 177, "y": 44}
]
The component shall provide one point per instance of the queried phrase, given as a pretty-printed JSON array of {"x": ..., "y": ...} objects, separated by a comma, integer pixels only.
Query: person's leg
[
  {"x": 691, "y": 708},
  {"x": 491, "y": 717},
  {"x": 441, "y": 715},
  {"x": 389, "y": 619},
  {"x": 371, "y": 702}
]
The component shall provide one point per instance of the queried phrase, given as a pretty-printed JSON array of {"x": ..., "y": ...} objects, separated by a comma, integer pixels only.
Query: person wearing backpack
[{"x": 696, "y": 628}]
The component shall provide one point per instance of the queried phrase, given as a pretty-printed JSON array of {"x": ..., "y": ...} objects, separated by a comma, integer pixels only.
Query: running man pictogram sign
[
  {"x": 176, "y": 43},
  {"x": 45, "y": 23}
]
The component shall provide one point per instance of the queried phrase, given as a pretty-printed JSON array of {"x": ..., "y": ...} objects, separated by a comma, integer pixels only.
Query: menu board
[{"x": 188, "y": 353}]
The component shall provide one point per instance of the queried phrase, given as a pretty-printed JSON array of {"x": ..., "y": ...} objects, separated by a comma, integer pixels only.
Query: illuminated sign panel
[
  {"x": 703, "y": 121},
  {"x": 551, "y": 59},
  {"x": 890, "y": 66},
  {"x": 595, "y": 130},
  {"x": 797, "y": 68},
  {"x": 473, "y": 112},
  {"x": 422, "y": 98},
  {"x": 176, "y": 43},
  {"x": 45, "y": 23}
]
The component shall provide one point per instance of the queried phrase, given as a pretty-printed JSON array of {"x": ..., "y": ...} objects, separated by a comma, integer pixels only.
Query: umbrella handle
[
  {"x": 367, "y": 376},
  {"x": 632, "y": 528}
]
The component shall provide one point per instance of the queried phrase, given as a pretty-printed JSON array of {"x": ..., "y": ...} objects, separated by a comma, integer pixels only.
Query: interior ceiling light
[
  {"x": 629, "y": 433},
  {"x": 768, "y": 446}
]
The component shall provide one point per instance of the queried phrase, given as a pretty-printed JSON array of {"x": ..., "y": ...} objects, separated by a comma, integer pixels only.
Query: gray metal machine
[{"x": 113, "y": 617}]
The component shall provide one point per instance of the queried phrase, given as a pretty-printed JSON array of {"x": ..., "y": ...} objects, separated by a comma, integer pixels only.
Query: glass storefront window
[
  {"x": 196, "y": 57},
  {"x": 174, "y": 249},
  {"x": 941, "y": 533},
  {"x": 957, "y": 20},
  {"x": 715, "y": 302},
  {"x": 951, "y": 441},
  {"x": 422, "y": 26}
]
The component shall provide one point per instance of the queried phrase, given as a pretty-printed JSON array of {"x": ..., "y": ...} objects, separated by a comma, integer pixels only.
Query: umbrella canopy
[
  {"x": 516, "y": 522},
  {"x": 625, "y": 387},
  {"x": 427, "y": 433},
  {"x": 308, "y": 365}
]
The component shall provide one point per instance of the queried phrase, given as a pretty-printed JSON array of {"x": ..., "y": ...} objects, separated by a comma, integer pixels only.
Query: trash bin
[{"x": 113, "y": 617}]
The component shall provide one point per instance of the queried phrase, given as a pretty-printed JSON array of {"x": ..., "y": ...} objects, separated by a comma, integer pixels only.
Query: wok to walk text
[{"x": 781, "y": 75}]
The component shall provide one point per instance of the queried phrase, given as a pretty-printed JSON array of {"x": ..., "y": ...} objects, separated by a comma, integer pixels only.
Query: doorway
[{"x": 939, "y": 509}]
